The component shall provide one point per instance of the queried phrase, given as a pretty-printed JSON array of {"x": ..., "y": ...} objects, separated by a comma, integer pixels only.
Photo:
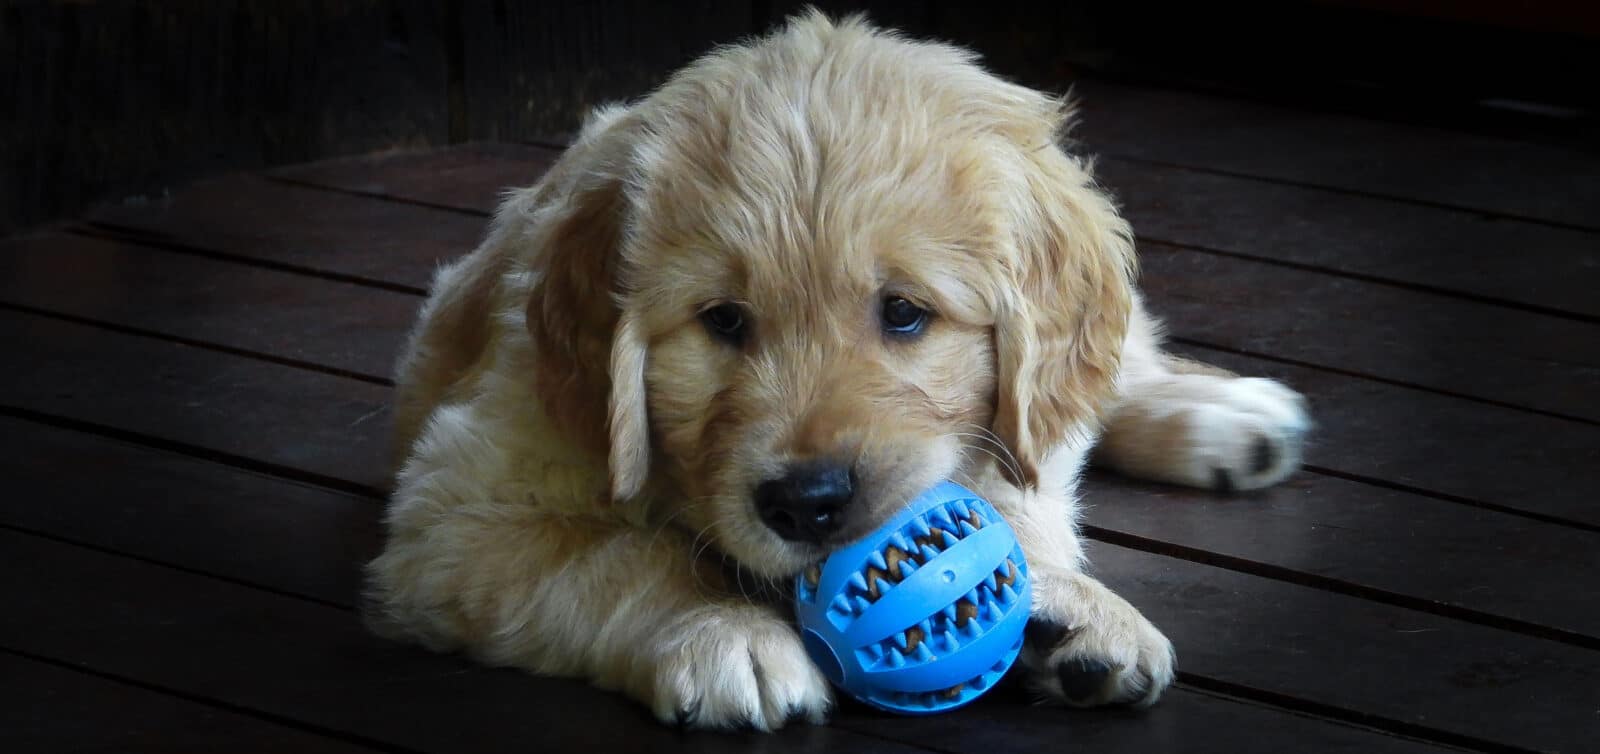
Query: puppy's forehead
[{"x": 781, "y": 211}]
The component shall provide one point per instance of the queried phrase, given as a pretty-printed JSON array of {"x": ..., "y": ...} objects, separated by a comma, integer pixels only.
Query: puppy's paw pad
[{"x": 737, "y": 668}]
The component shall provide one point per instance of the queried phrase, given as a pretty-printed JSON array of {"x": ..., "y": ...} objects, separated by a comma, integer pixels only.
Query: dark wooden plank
[
  {"x": 173, "y": 508},
  {"x": 195, "y": 397},
  {"x": 1348, "y": 653},
  {"x": 1463, "y": 347},
  {"x": 315, "y": 664},
  {"x": 1424, "y": 551},
  {"x": 1528, "y": 264},
  {"x": 1487, "y": 174},
  {"x": 333, "y": 324},
  {"x": 1417, "y": 439},
  {"x": 469, "y": 176},
  {"x": 252, "y": 217},
  {"x": 53, "y": 709}
]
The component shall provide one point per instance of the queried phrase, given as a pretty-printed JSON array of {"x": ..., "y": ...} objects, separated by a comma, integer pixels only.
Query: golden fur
[{"x": 580, "y": 453}]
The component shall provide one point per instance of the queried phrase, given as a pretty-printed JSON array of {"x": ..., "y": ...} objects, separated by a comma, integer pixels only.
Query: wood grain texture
[
  {"x": 324, "y": 324},
  {"x": 1530, "y": 265},
  {"x": 250, "y": 218},
  {"x": 1526, "y": 359},
  {"x": 49, "y": 708},
  {"x": 172, "y": 393},
  {"x": 1357, "y": 655},
  {"x": 1413, "y": 163},
  {"x": 172, "y": 508}
]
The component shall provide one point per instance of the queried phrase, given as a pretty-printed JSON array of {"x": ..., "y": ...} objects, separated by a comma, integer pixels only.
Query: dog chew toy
[{"x": 926, "y": 613}]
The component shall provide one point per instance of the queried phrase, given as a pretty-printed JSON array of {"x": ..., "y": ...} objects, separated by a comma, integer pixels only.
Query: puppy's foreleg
[{"x": 627, "y": 608}]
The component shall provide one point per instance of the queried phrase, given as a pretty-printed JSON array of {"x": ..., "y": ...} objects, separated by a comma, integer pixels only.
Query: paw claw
[{"x": 1222, "y": 481}]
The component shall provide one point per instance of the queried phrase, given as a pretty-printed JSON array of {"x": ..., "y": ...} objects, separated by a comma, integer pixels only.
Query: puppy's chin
[{"x": 896, "y": 480}]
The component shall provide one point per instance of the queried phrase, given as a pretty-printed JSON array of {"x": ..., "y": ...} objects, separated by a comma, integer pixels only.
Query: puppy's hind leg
[{"x": 1188, "y": 423}]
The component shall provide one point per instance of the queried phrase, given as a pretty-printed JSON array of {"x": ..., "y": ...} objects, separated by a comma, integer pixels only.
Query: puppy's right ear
[{"x": 589, "y": 370}]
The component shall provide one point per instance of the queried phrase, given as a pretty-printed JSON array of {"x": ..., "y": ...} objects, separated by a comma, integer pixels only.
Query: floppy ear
[
  {"x": 590, "y": 352},
  {"x": 1059, "y": 329}
]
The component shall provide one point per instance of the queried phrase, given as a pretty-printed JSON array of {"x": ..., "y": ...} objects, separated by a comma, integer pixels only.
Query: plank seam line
[
  {"x": 1376, "y": 280},
  {"x": 1365, "y": 194},
  {"x": 279, "y": 471},
  {"x": 207, "y": 701},
  {"x": 1452, "y": 498},
  {"x": 1188, "y": 341},
  {"x": 204, "y": 345},
  {"x": 128, "y": 234},
  {"x": 1192, "y": 682},
  {"x": 305, "y": 184},
  {"x": 169, "y": 565},
  {"x": 1346, "y": 721},
  {"x": 1399, "y": 728},
  {"x": 1339, "y": 586}
]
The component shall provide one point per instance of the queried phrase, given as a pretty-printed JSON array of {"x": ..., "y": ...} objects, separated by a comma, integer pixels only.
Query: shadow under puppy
[{"x": 743, "y": 321}]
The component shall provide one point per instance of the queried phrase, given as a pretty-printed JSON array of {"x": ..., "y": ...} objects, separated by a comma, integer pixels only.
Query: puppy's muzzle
[{"x": 808, "y": 503}]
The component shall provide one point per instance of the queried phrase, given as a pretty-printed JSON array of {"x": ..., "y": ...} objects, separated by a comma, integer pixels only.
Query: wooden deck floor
[{"x": 193, "y": 418}]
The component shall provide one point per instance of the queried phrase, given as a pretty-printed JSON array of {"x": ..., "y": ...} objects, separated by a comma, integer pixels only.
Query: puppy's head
[{"x": 812, "y": 276}]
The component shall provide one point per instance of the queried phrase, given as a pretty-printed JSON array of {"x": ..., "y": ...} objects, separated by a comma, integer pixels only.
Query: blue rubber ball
[{"x": 926, "y": 613}]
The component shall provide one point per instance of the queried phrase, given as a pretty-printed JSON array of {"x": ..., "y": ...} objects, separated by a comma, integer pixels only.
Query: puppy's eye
[
  {"x": 901, "y": 317},
  {"x": 725, "y": 321}
]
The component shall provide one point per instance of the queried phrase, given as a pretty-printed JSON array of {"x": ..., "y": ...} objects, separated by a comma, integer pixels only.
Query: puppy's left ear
[
  {"x": 1060, "y": 327},
  {"x": 590, "y": 345}
]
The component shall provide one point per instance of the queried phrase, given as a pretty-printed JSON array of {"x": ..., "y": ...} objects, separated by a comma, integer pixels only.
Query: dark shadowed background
[{"x": 116, "y": 100}]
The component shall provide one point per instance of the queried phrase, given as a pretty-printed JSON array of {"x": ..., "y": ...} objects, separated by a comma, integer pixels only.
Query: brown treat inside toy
[
  {"x": 892, "y": 557},
  {"x": 1010, "y": 576},
  {"x": 913, "y": 638},
  {"x": 965, "y": 611}
]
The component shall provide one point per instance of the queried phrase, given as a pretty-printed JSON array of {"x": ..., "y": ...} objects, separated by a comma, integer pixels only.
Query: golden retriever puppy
[{"x": 740, "y": 323}]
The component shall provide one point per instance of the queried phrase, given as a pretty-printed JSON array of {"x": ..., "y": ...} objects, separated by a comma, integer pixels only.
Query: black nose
[{"x": 806, "y": 504}]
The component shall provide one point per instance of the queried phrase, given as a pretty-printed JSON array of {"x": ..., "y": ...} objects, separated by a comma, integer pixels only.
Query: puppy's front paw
[
  {"x": 734, "y": 667},
  {"x": 1119, "y": 659}
]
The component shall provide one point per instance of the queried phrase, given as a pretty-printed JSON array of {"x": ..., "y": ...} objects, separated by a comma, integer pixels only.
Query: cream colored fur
[{"x": 579, "y": 452}]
